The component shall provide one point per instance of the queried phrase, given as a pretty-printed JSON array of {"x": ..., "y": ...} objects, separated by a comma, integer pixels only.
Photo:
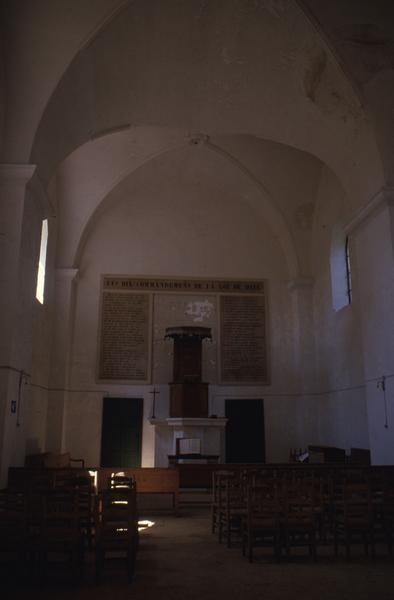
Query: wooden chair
[
  {"x": 218, "y": 495},
  {"x": 86, "y": 507},
  {"x": 262, "y": 524},
  {"x": 300, "y": 523},
  {"x": 388, "y": 511},
  {"x": 233, "y": 497},
  {"x": 13, "y": 532},
  {"x": 117, "y": 528},
  {"x": 82, "y": 484},
  {"x": 313, "y": 486},
  {"x": 354, "y": 520},
  {"x": 61, "y": 541},
  {"x": 117, "y": 481}
]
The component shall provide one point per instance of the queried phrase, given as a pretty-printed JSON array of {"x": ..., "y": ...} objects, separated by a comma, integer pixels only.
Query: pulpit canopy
[{"x": 188, "y": 331}]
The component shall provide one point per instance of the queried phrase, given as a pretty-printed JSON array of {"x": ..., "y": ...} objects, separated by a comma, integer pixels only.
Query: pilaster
[
  {"x": 14, "y": 179},
  {"x": 13, "y": 182},
  {"x": 65, "y": 279},
  {"x": 301, "y": 290},
  {"x": 372, "y": 231}
]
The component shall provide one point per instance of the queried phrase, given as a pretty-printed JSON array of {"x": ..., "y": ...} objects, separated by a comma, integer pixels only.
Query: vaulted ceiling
[{"x": 98, "y": 90}]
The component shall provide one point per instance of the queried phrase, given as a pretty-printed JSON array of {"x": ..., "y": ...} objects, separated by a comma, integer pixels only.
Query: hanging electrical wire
[{"x": 289, "y": 394}]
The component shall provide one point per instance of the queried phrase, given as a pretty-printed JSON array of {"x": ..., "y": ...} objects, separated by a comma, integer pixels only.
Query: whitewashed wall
[
  {"x": 183, "y": 223},
  {"x": 266, "y": 84},
  {"x": 375, "y": 267},
  {"x": 342, "y": 415}
]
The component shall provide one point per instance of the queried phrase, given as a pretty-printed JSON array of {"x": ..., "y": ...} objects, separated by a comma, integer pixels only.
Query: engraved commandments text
[
  {"x": 124, "y": 350},
  {"x": 243, "y": 339},
  {"x": 127, "y": 330}
]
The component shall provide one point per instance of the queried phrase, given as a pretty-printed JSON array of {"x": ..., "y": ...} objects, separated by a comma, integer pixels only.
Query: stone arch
[
  {"x": 211, "y": 78},
  {"x": 267, "y": 207}
]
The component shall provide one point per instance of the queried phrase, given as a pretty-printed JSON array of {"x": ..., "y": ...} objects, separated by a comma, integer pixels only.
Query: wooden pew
[{"x": 149, "y": 480}]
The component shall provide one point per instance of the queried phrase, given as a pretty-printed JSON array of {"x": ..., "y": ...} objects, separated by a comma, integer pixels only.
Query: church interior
[{"x": 197, "y": 235}]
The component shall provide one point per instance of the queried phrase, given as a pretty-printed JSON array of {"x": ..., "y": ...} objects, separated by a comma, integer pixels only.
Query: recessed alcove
[{"x": 210, "y": 432}]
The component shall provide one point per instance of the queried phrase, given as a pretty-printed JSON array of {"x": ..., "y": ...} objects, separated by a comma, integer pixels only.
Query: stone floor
[{"x": 179, "y": 559}]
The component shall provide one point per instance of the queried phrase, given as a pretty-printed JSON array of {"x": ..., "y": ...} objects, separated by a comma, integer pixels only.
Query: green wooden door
[
  {"x": 121, "y": 436},
  {"x": 245, "y": 431}
]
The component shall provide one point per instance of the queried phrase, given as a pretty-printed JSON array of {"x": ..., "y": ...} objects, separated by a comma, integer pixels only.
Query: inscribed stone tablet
[
  {"x": 243, "y": 339},
  {"x": 124, "y": 350}
]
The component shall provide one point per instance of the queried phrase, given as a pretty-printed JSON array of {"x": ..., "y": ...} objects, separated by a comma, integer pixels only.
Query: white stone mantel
[
  {"x": 196, "y": 422},
  {"x": 190, "y": 422},
  {"x": 209, "y": 430}
]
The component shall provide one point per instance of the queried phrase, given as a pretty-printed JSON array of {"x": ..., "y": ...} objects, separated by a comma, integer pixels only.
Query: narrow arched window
[
  {"x": 348, "y": 271},
  {"x": 341, "y": 281},
  {"x": 42, "y": 262}
]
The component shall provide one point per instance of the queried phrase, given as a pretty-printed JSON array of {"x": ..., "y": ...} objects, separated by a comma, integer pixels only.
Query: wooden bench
[{"x": 149, "y": 480}]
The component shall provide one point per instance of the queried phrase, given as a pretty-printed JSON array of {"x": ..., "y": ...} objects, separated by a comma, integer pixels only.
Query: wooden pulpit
[{"x": 188, "y": 394}]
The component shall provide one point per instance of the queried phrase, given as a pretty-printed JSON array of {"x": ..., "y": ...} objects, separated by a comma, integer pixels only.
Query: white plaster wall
[
  {"x": 342, "y": 416},
  {"x": 379, "y": 94},
  {"x": 373, "y": 240},
  {"x": 215, "y": 69},
  {"x": 92, "y": 171},
  {"x": 2, "y": 93},
  {"x": 41, "y": 38},
  {"x": 41, "y": 355},
  {"x": 16, "y": 425},
  {"x": 256, "y": 74},
  {"x": 170, "y": 310},
  {"x": 95, "y": 168},
  {"x": 190, "y": 218},
  {"x": 84, "y": 415},
  {"x": 290, "y": 175},
  {"x": 289, "y": 419},
  {"x": 38, "y": 401}
]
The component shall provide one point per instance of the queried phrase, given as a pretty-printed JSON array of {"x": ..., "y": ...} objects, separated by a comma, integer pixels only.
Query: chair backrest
[
  {"x": 118, "y": 504},
  {"x": 13, "y": 510},
  {"x": 388, "y": 496},
  {"x": 60, "y": 514},
  {"x": 263, "y": 500},
  {"x": 357, "y": 501},
  {"x": 117, "y": 481},
  {"x": 117, "y": 514},
  {"x": 233, "y": 489},
  {"x": 218, "y": 479}
]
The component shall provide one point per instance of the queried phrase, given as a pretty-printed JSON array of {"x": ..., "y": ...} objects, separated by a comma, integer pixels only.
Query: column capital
[
  {"x": 66, "y": 274},
  {"x": 40, "y": 196},
  {"x": 17, "y": 174},
  {"x": 26, "y": 176},
  {"x": 300, "y": 283},
  {"x": 384, "y": 197}
]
